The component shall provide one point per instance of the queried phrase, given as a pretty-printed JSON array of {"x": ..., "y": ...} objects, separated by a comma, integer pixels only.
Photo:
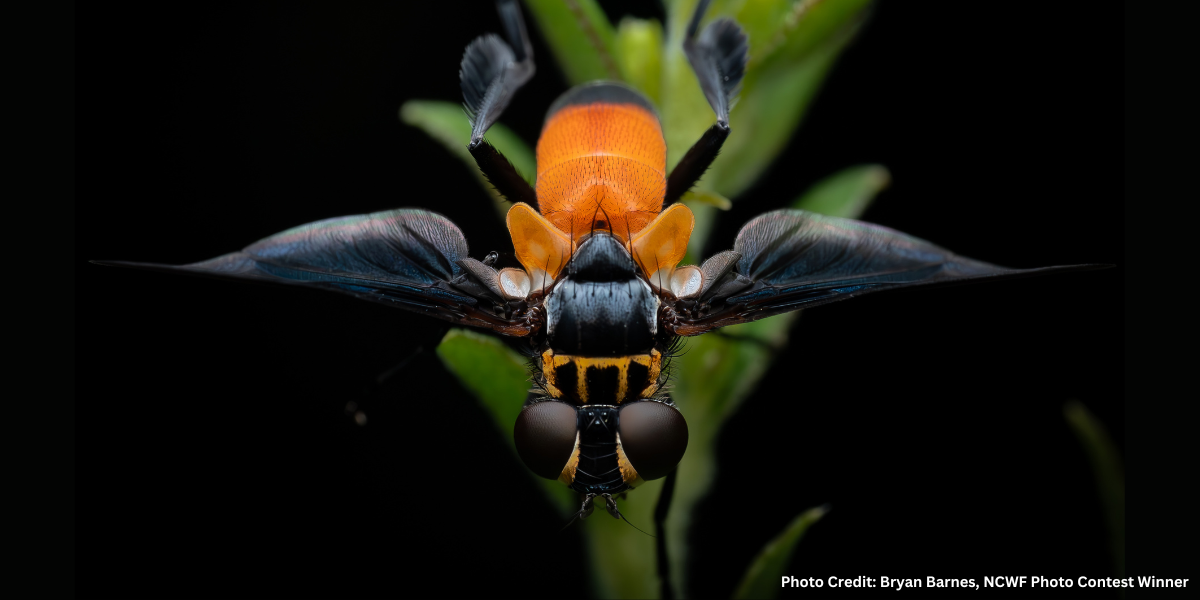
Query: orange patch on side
[
  {"x": 663, "y": 243},
  {"x": 601, "y": 166},
  {"x": 540, "y": 247}
]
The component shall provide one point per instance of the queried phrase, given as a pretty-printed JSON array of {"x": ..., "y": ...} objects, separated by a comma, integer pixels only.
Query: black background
[{"x": 214, "y": 453}]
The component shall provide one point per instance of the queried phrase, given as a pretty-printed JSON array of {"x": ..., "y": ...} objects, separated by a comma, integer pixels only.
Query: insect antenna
[
  {"x": 598, "y": 199},
  {"x": 612, "y": 509},
  {"x": 584, "y": 511},
  {"x": 572, "y": 521},
  {"x": 607, "y": 220},
  {"x": 634, "y": 526}
]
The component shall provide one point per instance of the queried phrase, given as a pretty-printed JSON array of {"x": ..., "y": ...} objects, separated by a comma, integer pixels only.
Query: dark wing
[
  {"x": 408, "y": 258},
  {"x": 786, "y": 260}
]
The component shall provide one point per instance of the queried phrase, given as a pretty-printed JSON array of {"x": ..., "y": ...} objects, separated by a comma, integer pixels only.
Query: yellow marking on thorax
[{"x": 551, "y": 363}]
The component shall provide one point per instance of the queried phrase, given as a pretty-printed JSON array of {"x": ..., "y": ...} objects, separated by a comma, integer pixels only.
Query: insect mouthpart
[
  {"x": 610, "y": 504},
  {"x": 585, "y": 511}
]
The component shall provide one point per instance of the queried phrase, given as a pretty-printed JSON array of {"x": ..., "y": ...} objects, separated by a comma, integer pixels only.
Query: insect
[{"x": 601, "y": 296}]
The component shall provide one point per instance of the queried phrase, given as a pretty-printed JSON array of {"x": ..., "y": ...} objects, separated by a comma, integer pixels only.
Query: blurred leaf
[
  {"x": 622, "y": 557},
  {"x": 639, "y": 54},
  {"x": 704, "y": 205},
  {"x": 806, "y": 27},
  {"x": 579, "y": 34},
  {"x": 706, "y": 218},
  {"x": 708, "y": 197},
  {"x": 684, "y": 111},
  {"x": 499, "y": 379},
  {"x": 495, "y": 374},
  {"x": 767, "y": 22},
  {"x": 1109, "y": 473},
  {"x": 720, "y": 369},
  {"x": 792, "y": 46},
  {"x": 846, "y": 193},
  {"x": 762, "y": 579},
  {"x": 447, "y": 123},
  {"x": 716, "y": 372},
  {"x": 779, "y": 88}
]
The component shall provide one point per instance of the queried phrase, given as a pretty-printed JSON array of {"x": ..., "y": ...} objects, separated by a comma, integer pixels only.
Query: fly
[{"x": 601, "y": 298}]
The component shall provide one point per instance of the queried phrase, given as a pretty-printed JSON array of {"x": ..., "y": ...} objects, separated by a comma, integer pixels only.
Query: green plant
[
  {"x": 793, "y": 45},
  {"x": 215, "y": 448}
]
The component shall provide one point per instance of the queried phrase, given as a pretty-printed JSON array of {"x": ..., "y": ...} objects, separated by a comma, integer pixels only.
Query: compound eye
[
  {"x": 653, "y": 436},
  {"x": 545, "y": 437}
]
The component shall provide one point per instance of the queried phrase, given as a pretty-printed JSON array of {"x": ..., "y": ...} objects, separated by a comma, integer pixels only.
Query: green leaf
[
  {"x": 720, "y": 370},
  {"x": 780, "y": 86},
  {"x": 806, "y": 27},
  {"x": 762, "y": 579},
  {"x": 793, "y": 45},
  {"x": 580, "y": 36},
  {"x": 639, "y": 54},
  {"x": 499, "y": 378},
  {"x": 766, "y": 23},
  {"x": 704, "y": 205},
  {"x": 493, "y": 372},
  {"x": 1107, "y": 468},
  {"x": 447, "y": 124},
  {"x": 684, "y": 111},
  {"x": 621, "y": 557},
  {"x": 846, "y": 193},
  {"x": 708, "y": 197},
  {"x": 716, "y": 373}
]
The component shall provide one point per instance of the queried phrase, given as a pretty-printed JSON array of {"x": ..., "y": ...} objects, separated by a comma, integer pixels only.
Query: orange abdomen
[{"x": 601, "y": 162}]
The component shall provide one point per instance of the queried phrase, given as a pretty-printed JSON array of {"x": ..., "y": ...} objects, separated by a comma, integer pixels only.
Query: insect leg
[
  {"x": 492, "y": 71},
  {"x": 718, "y": 57}
]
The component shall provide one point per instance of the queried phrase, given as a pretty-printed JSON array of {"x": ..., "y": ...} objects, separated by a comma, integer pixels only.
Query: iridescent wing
[
  {"x": 786, "y": 260},
  {"x": 408, "y": 258}
]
